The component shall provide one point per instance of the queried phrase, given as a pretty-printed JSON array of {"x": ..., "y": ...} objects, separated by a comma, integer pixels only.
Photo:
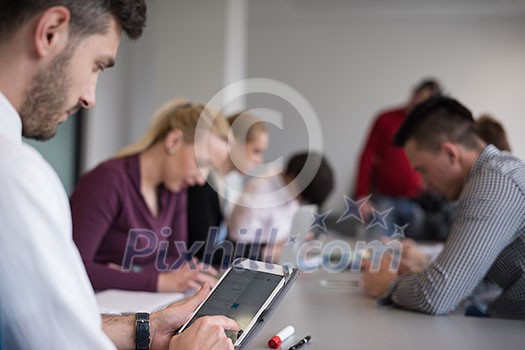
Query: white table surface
[{"x": 342, "y": 317}]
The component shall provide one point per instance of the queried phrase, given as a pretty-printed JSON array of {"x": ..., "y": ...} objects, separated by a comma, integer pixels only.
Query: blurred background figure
[
  {"x": 263, "y": 215},
  {"x": 142, "y": 191},
  {"x": 385, "y": 172},
  {"x": 247, "y": 149},
  {"x": 492, "y": 132},
  {"x": 210, "y": 205}
]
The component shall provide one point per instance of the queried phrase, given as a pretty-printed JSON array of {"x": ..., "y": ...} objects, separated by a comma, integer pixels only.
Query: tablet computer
[{"x": 247, "y": 292}]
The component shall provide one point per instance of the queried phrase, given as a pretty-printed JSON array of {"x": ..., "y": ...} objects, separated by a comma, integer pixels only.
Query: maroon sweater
[
  {"x": 384, "y": 168},
  {"x": 106, "y": 205}
]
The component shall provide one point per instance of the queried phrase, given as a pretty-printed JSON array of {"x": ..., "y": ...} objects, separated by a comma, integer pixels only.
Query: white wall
[
  {"x": 351, "y": 59},
  {"x": 181, "y": 54},
  {"x": 105, "y": 123}
]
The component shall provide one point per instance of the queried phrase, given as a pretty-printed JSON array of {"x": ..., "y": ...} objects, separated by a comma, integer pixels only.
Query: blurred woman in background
[
  {"x": 210, "y": 205},
  {"x": 137, "y": 203},
  {"x": 492, "y": 132}
]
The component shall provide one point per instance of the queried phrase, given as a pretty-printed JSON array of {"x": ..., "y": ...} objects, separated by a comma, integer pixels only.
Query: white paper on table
[{"x": 114, "y": 301}]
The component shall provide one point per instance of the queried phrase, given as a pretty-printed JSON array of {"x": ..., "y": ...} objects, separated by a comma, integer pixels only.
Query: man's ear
[
  {"x": 52, "y": 31},
  {"x": 173, "y": 141},
  {"x": 451, "y": 151}
]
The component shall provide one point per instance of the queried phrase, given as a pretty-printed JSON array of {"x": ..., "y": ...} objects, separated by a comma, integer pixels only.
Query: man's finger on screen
[{"x": 225, "y": 322}]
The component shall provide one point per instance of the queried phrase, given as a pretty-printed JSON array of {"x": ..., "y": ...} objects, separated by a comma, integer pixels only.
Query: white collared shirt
[{"x": 46, "y": 299}]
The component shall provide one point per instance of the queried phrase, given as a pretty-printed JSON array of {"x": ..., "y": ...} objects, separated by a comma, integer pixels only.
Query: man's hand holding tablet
[
  {"x": 244, "y": 296},
  {"x": 206, "y": 333},
  {"x": 175, "y": 315}
]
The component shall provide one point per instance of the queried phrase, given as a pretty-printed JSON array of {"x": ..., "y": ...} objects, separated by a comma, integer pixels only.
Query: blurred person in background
[
  {"x": 385, "y": 172},
  {"x": 492, "y": 132},
  {"x": 138, "y": 199},
  {"x": 210, "y": 204}
]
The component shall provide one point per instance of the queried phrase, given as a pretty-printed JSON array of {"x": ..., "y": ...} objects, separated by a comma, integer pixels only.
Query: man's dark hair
[
  {"x": 88, "y": 17},
  {"x": 430, "y": 84},
  {"x": 437, "y": 120},
  {"x": 322, "y": 183}
]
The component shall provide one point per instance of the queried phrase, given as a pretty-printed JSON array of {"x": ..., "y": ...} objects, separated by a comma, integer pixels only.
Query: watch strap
[{"x": 142, "y": 331}]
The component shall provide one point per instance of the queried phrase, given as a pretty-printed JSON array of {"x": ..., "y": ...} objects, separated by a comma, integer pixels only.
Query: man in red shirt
[{"x": 384, "y": 170}]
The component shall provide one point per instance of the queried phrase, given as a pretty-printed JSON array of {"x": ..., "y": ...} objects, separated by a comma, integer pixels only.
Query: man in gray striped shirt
[{"x": 487, "y": 240}]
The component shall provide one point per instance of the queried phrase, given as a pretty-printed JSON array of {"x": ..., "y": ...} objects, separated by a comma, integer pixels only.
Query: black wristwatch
[{"x": 142, "y": 331}]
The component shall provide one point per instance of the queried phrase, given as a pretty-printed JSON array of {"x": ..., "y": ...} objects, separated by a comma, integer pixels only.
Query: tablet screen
[{"x": 239, "y": 296}]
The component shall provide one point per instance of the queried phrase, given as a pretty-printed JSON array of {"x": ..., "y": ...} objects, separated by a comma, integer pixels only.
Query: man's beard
[{"x": 46, "y": 99}]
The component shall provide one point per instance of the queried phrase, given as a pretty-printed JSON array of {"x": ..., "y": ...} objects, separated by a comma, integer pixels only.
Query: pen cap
[{"x": 278, "y": 339}]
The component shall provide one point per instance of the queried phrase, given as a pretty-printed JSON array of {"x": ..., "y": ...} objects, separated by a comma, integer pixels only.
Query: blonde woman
[{"x": 129, "y": 211}]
